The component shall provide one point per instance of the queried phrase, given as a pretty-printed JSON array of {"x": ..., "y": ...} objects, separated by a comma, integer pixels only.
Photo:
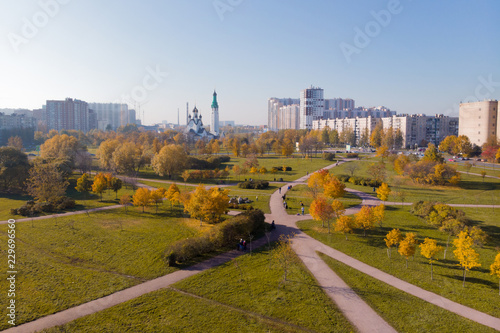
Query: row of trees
[
  {"x": 431, "y": 169},
  {"x": 464, "y": 251},
  {"x": 207, "y": 205}
]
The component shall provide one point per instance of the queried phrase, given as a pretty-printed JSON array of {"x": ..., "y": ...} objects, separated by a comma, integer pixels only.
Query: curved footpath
[
  {"x": 364, "y": 318},
  {"x": 307, "y": 247}
]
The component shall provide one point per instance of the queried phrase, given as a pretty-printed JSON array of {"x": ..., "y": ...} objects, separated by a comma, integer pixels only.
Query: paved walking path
[
  {"x": 364, "y": 318},
  {"x": 349, "y": 303}
]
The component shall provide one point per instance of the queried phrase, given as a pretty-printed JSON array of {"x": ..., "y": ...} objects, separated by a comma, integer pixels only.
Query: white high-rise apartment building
[
  {"x": 276, "y": 113},
  {"x": 312, "y": 106},
  {"x": 479, "y": 121},
  {"x": 112, "y": 115}
]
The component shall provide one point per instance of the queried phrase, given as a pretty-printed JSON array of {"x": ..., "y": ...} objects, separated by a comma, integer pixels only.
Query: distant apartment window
[
  {"x": 479, "y": 117},
  {"x": 478, "y": 132}
]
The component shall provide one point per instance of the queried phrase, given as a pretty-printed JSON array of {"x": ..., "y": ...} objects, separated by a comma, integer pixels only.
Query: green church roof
[{"x": 215, "y": 105}]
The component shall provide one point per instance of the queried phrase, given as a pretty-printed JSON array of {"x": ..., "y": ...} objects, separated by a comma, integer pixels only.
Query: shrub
[
  {"x": 225, "y": 234},
  {"x": 328, "y": 156},
  {"x": 255, "y": 184},
  {"x": 352, "y": 155},
  {"x": 206, "y": 162},
  {"x": 344, "y": 178},
  {"x": 240, "y": 206},
  {"x": 32, "y": 208},
  {"x": 280, "y": 168}
]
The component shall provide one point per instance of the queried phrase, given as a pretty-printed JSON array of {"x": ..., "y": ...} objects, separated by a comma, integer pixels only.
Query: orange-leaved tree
[
  {"x": 316, "y": 181},
  {"x": 320, "y": 210},
  {"x": 364, "y": 219},
  {"x": 333, "y": 187}
]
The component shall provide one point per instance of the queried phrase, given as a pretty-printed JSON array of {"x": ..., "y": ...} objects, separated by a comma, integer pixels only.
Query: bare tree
[{"x": 352, "y": 168}]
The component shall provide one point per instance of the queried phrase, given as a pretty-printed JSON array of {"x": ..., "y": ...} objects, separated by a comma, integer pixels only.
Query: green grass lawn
[
  {"x": 404, "y": 312},
  {"x": 83, "y": 200},
  {"x": 300, "y": 193},
  {"x": 471, "y": 189},
  {"x": 245, "y": 295},
  {"x": 299, "y": 165},
  {"x": 66, "y": 261},
  {"x": 481, "y": 289}
]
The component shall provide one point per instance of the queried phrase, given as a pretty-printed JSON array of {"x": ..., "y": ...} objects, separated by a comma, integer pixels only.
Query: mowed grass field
[
  {"x": 247, "y": 294},
  {"x": 63, "y": 262},
  {"x": 300, "y": 167},
  {"x": 404, "y": 312},
  {"x": 83, "y": 200},
  {"x": 481, "y": 288},
  {"x": 470, "y": 190}
]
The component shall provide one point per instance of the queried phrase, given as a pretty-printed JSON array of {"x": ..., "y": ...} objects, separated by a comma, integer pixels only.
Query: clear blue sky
[{"x": 429, "y": 57}]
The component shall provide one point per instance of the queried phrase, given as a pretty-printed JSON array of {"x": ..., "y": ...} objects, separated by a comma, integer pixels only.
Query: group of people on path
[{"x": 242, "y": 245}]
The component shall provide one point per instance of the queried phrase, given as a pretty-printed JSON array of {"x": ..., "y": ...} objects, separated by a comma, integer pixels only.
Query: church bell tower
[{"x": 214, "y": 121}]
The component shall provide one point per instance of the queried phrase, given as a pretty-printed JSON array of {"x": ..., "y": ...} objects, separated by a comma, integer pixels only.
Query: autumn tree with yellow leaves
[
  {"x": 430, "y": 249},
  {"x": 383, "y": 192},
  {"x": 333, "y": 187},
  {"x": 316, "y": 182},
  {"x": 142, "y": 198},
  {"x": 365, "y": 219},
  {"x": 407, "y": 246},
  {"x": 173, "y": 194},
  {"x": 495, "y": 269},
  {"x": 344, "y": 224},
  {"x": 207, "y": 205},
  {"x": 394, "y": 237},
  {"x": 100, "y": 184},
  {"x": 468, "y": 258}
]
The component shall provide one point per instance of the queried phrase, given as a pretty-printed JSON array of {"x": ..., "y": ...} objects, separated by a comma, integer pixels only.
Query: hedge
[
  {"x": 225, "y": 234},
  {"x": 254, "y": 184}
]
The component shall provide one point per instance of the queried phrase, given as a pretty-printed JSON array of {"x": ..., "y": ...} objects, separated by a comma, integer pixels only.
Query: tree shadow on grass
[{"x": 473, "y": 280}]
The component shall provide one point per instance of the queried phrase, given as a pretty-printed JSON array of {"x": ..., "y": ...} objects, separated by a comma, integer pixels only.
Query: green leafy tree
[
  {"x": 432, "y": 154},
  {"x": 14, "y": 169},
  {"x": 116, "y": 184},
  {"x": 84, "y": 184}
]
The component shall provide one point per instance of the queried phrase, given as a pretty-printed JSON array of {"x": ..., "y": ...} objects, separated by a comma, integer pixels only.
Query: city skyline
[{"x": 413, "y": 57}]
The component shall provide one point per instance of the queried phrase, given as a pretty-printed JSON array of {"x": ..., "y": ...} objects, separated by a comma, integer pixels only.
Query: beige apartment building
[
  {"x": 479, "y": 121},
  {"x": 417, "y": 129}
]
